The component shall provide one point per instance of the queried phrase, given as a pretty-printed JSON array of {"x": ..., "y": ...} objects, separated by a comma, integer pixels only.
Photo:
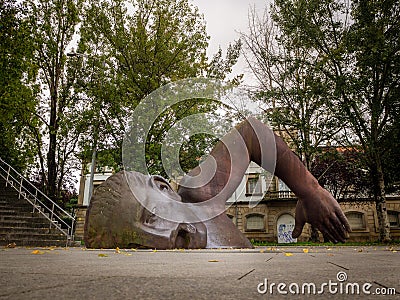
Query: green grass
[{"x": 376, "y": 243}]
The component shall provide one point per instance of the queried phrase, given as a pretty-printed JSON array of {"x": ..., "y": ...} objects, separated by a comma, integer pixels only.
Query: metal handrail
[{"x": 17, "y": 181}]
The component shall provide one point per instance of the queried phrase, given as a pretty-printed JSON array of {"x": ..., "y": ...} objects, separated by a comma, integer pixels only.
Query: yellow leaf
[
  {"x": 305, "y": 250},
  {"x": 262, "y": 251},
  {"x": 155, "y": 250},
  {"x": 102, "y": 255},
  {"x": 288, "y": 254},
  {"x": 117, "y": 250},
  {"x": 394, "y": 251},
  {"x": 37, "y": 252}
]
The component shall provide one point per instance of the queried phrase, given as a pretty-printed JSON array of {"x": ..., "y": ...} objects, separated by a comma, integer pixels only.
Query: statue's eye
[{"x": 164, "y": 187}]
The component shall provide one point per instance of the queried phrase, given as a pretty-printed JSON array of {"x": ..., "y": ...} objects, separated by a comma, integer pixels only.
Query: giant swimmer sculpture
[{"x": 134, "y": 210}]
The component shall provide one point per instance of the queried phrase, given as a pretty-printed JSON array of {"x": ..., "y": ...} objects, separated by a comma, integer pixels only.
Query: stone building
[{"x": 263, "y": 208}]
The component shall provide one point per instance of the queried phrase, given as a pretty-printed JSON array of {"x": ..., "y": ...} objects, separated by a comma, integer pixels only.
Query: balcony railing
[{"x": 279, "y": 195}]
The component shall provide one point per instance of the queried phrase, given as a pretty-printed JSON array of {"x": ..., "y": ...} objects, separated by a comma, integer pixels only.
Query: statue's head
[{"x": 116, "y": 218}]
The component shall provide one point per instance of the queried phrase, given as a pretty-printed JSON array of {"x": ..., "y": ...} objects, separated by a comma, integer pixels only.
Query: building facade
[{"x": 265, "y": 211}]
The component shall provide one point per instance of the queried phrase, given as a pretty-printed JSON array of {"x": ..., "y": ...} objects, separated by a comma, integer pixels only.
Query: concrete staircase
[{"x": 19, "y": 225}]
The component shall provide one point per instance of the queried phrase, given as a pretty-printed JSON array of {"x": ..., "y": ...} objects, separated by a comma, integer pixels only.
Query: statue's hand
[{"x": 323, "y": 212}]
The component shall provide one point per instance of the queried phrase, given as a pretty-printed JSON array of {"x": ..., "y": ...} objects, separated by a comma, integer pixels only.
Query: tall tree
[
  {"x": 53, "y": 27},
  {"x": 358, "y": 49},
  {"x": 296, "y": 95}
]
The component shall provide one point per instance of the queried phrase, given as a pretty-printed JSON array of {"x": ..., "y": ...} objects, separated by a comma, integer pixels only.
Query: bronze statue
[{"x": 115, "y": 217}]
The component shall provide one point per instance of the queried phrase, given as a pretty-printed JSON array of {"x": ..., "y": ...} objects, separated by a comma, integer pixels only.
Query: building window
[
  {"x": 253, "y": 185},
  {"x": 394, "y": 219},
  {"x": 356, "y": 220},
  {"x": 255, "y": 223}
]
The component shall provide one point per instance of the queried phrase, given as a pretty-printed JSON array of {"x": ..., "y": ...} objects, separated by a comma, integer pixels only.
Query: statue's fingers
[
  {"x": 343, "y": 220},
  {"x": 300, "y": 220},
  {"x": 327, "y": 233},
  {"x": 339, "y": 228},
  {"x": 298, "y": 228}
]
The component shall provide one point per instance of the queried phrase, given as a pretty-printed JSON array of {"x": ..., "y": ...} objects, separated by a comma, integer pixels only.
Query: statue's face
[{"x": 116, "y": 218}]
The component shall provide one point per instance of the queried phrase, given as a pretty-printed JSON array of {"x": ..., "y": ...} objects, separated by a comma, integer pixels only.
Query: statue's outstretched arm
[{"x": 221, "y": 173}]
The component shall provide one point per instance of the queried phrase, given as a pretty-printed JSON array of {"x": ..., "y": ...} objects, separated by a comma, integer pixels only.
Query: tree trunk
[
  {"x": 51, "y": 154},
  {"x": 380, "y": 200}
]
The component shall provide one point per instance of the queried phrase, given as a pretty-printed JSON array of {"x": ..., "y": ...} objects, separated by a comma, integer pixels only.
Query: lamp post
[{"x": 95, "y": 137}]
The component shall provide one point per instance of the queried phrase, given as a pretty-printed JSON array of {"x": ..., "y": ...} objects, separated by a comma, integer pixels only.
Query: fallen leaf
[
  {"x": 360, "y": 250},
  {"x": 11, "y": 245},
  {"x": 394, "y": 251},
  {"x": 102, "y": 255},
  {"x": 262, "y": 251},
  {"x": 213, "y": 260},
  {"x": 288, "y": 254},
  {"x": 37, "y": 252},
  {"x": 117, "y": 250},
  {"x": 305, "y": 250}
]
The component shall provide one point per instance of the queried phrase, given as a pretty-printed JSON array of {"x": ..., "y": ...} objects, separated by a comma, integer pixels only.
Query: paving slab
[{"x": 261, "y": 273}]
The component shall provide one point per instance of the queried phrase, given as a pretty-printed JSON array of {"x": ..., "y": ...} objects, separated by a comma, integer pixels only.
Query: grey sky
[{"x": 224, "y": 18}]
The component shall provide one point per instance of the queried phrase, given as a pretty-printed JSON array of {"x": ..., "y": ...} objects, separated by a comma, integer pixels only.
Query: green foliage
[
  {"x": 219, "y": 67},
  {"x": 156, "y": 42},
  {"x": 17, "y": 102},
  {"x": 141, "y": 49}
]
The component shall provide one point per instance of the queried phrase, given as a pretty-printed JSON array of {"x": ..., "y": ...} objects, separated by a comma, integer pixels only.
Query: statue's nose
[{"x": 191, "y": 236}]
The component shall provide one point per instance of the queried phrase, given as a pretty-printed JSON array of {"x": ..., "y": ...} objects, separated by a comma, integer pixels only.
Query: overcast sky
[{"x": 224, "y": 19}]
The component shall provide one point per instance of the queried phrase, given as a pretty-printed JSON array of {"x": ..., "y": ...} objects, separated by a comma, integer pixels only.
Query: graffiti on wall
[{"x": 285, "y": 226}]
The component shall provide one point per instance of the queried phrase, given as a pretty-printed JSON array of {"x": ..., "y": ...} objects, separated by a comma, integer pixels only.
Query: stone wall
[{"x": 80, "y": 222}]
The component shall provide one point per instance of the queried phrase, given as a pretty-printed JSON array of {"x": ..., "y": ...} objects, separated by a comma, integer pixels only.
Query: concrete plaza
[{"x": 78, "y": 273}]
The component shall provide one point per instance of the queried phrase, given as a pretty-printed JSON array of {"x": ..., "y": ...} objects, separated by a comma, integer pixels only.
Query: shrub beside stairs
[{"x": 20, "y": 226}]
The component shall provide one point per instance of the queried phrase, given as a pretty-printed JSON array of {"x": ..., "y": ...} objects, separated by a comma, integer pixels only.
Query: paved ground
[{"x": 75, "y": 273}]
